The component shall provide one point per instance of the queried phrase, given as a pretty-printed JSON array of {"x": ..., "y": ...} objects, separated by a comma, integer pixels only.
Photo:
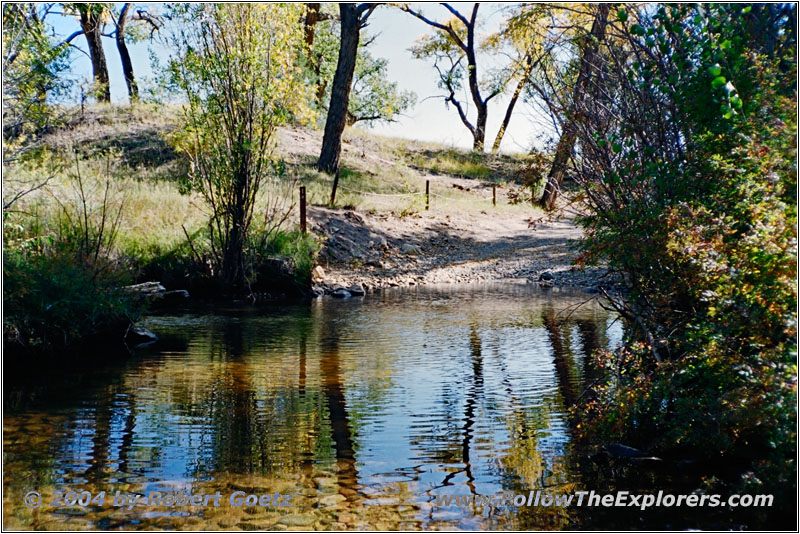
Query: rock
[
  {"x": 379, "y": 242},
  {"x": 145, "y": 289},
  {"x": 297, "y": 520},
  {"x": 356, "y": 290},
  {"x": 317, "y": 291},
  {"x": 341, "y": 294},
  {"x": 346, "y": 517},
  {"x": 408, "y": 248},
  {"x": 325, "y": 482},
  {"x": 331, "y": 500},
  {"x": 318, "y": 273},
  {"x": 546, "y": 276},
  {"x": 353, "y": 216},
  {"x": 256, "y": 525},
  {"x": 138, "y": 336},
  {"x": 376, "y": 263}
]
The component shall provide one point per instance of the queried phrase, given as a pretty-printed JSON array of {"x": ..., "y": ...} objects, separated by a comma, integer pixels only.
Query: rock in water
[
  {"x": 546, "y": 276},
  {"x": 623, "y": 451},
  {"x": 317, "y": 291},
  {"x": 341, "y": 294},
  {"x": 138, "y": 336},
  {"x": 356, "y": 290}
]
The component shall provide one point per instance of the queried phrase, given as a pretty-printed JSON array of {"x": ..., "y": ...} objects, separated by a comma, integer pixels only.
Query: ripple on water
[{"x": 387, "y": 401}]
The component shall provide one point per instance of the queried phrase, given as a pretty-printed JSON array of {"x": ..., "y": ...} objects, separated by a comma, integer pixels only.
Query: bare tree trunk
[
  {"x": 340, "y": 93},
  {"x": 512, "y": 103},
  {"x": 569, "y": 132},
  {"x": 312, "y": 17},
  {"x": 125, "y": 57},
  {"x": 468, "y": 48},
  {"x": 92, "y": 26},
  {"x": 479, "y": 134}
]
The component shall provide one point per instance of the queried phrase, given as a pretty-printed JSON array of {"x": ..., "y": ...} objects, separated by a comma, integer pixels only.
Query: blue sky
[{"x": 429, "y": 120}]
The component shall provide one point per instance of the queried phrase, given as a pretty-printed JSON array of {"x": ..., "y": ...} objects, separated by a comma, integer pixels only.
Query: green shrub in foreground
[{"x": 53, "y": 301}]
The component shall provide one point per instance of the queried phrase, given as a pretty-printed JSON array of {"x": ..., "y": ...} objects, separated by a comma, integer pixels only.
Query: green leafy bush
[
  {"x": 691, "y": 192},
  {"x": 52, "y": 300}
]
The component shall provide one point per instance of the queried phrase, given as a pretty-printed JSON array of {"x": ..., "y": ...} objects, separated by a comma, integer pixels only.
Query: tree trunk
[
  {"x": 569, "y": 133},
  {"x": 92, "y": 27},
  {"x": 312, "y": 17},
  {"x": 233, "y": 253},
  {"x": 125, "y": 57},
  {"x": 340, "y": 92},
  {"x": 512, "y": 103},
  {"x": 479, "y": 134}
]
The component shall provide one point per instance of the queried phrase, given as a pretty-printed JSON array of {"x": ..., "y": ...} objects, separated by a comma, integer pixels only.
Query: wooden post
[
  {"x": 427, "y": 194},
  {"x": 494, "y": 195},
  {"x": 303, "y": 209}
]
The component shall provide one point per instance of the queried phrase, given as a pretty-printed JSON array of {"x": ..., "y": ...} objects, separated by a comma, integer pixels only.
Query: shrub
[
  {"x": 689, "y": 171},
  {"x": 52, "y": 300}
]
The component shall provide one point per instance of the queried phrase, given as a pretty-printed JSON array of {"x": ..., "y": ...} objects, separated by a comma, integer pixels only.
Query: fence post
[
  {"x": 494, "y": 195},
  {"x": 303, "y": 209},
  {"x": 427, "y": 194}
]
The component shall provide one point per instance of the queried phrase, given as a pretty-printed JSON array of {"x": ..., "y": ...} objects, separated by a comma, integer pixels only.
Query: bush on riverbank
[
  {"x": 62, "y": 272},
  {"x": 699, "y": 215},
  {"x": 52, "y": 301}
]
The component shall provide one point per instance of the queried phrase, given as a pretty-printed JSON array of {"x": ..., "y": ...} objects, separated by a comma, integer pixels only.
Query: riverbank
[{"x": 380, "y": 250}]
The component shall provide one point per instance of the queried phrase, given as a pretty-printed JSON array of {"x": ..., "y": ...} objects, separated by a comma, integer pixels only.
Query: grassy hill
[{"x": 130, "y": 146}]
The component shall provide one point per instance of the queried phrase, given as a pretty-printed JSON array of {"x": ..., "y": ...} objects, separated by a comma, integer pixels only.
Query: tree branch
[
  {"x": 455, "y": 12},
  {"x": 438, "y": 25}
]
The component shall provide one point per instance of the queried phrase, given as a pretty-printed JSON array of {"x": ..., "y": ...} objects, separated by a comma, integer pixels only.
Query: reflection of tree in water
[
  {"x": 521, "y": 465},
  {"x": 562, "y": 354},
  {"x": 454, "y": 445},
  {"x": 258, "y": 425},
  {"x": 333, "y": 390}
]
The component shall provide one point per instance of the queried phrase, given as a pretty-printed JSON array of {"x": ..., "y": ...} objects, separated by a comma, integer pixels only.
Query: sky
[{"x": 428, "y": 120}]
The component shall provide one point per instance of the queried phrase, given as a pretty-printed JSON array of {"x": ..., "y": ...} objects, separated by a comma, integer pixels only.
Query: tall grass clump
[{"x": 62, "y": 277}]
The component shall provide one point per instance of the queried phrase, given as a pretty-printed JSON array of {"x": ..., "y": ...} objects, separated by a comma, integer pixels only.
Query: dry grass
[{"x": 129, "y": 146}]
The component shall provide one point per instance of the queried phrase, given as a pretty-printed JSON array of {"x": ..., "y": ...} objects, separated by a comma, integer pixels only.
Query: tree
[
  {"x": 373, "y": 97},
  {"x": 121, "y": 21},
  {"x": 453, "y": 44},
  {"x": 91, "y": 20},
  {"x": 32, "y": 66},
  {"x": 238, "y": 67},
  {"x": 525, "y": 37},
  {"x": 353, "y": 18},
  {"x": 688, "y": 189},
  {"x": 587, "y": 69}
]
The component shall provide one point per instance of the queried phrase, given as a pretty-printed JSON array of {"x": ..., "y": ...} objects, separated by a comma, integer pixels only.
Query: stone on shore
[{"x": 356, "y": 290}]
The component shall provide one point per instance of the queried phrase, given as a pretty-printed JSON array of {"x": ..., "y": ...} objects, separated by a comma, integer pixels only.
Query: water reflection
[{"x": 366, "y": 410}]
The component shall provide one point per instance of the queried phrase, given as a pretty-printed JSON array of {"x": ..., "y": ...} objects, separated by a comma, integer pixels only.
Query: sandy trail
[{"x": 384, "y": 250}]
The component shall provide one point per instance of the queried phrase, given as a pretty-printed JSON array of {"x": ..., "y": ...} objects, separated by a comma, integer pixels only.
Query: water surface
[{"x": 366, "y": 411}]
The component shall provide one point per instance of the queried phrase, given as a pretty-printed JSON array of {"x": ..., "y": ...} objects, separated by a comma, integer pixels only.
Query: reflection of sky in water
[{"x": 445, "y": 391}]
